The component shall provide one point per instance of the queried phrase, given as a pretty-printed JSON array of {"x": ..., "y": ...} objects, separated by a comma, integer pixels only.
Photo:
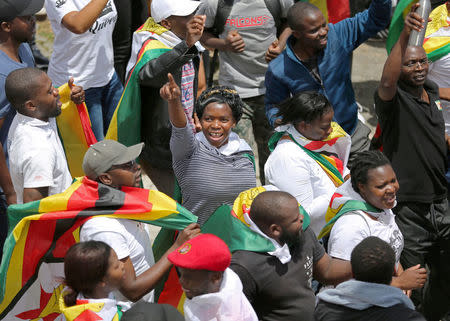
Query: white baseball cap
[{"x": 162, "y": 9}]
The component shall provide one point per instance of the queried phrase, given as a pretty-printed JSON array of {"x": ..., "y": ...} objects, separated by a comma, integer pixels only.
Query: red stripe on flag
[
  {"x": 39, "y": 239},
  {"x": 141, "y": 52},
  {"x": 338, "y": 164},
  {"x": 172, "y": 291},
  {"x": 132, "y": 206},
  {"x": 333, "y": 197},
  {"x": 86, "y": 195},
  {"x": 66, "y": 240},
  {"x": 85, "y": 124},
  {"x": 316, "y": 144},
  {"x": 338, "y": 10}
]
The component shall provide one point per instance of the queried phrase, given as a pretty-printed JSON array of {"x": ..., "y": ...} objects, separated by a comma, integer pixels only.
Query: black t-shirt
[
  {"x": 413, "y": 136},
  {"x": 280, "y": 291}
]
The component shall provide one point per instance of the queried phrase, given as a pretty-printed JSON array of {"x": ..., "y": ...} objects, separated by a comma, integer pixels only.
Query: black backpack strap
[
  {"x": 274, "y": 8},
  {"x": 222, "y": 14}
]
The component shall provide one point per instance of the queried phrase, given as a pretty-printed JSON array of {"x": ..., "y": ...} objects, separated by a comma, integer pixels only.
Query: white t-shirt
[
  {"x": 36, "y": 156},
  {"x": 353, "y": 227},
  {"x": 126, "y": 238},
  {"x": 291, "y": 170},
  {"x": 87, "y": 57}
]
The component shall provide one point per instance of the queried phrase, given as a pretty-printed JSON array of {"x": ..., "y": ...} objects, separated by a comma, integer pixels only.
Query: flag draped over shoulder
[
  {"x": 125, "y": 126},
  {"x": 437, "y": 38},
  {"x": 74, "y": 127},
  {"x": 41, "y": 232},
  {"x": 331, "y": 153},
  {"x": 345, "y": 200},
  {"x": 228, "y": 223},
  {"x": 333, "y": 10}
]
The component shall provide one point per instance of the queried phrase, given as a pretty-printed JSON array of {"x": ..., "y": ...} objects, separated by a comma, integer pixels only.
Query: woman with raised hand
[
  {"x": 361, "y": 207},
  {"x": 213, "y": 166}
]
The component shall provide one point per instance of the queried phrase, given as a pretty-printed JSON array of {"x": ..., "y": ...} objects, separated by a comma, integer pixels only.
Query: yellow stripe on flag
[
  {"x": 14, "y": 276},
  {"x": 58, "y": 202}
]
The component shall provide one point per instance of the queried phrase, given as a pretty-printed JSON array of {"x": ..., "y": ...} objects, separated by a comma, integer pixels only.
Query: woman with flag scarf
[
  {"x": 309, "y": 153},
  {"x": 213, "y": 166},
  {"x": 361, "y": 207}
]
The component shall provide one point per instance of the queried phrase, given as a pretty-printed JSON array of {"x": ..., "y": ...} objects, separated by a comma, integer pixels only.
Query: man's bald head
[
  {"x": 267, "y": 207},
  {"x": 21, "y": 85},
  {"x": 298, "y": 12}
]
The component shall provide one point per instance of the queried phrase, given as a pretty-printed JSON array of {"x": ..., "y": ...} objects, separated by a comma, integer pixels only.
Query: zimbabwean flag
[
  {"x": 333, "y": 10},
  {"x": 125, "y": 126},
  {"x": 437, "y": 36},
  {"x": 41, "y": 232},
  {"x": 232, "y": 226}
]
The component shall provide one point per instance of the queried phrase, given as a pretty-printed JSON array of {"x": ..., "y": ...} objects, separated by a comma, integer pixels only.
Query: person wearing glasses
[
  {"x": 413, "y": 137},
  {"x": 112, "y": 164}
]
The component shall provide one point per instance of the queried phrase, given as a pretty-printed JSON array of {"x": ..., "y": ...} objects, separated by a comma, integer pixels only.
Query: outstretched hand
[
  {"x": 170, "y": 91},
  {"x": 76, "y": 92}
]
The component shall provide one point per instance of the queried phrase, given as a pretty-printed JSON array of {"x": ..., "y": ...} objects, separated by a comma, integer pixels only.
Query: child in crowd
[{"x": 92, "y": 271}]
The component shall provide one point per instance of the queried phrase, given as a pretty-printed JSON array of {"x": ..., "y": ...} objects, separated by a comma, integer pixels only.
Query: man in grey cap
[{"x": 110, "y": 163}]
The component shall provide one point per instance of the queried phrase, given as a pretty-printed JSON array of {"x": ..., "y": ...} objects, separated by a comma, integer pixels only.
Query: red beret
[{"x": 203, "y": 252}]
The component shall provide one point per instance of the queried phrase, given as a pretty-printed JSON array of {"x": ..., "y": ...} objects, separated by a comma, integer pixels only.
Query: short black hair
[
  {"x": 297, "y": 14},
  {"x": 85, "y": 265},
  {"x": 220, "y": 94},
  {"x": 303, "y": 106},
  {"x": 373, "y": 260},
  {"x": 264, "y": 210},
  {"x": 362, "y": 163},
  {"x": 21, "y": 85}
]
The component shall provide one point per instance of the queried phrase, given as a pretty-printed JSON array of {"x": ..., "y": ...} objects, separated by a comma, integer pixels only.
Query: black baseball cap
[{"x": 10, "y": 9}]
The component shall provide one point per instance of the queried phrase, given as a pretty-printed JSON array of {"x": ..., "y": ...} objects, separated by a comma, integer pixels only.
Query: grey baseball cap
[
  {"x": 106, "y": 153},
  {"x": 10, "y": 9}
]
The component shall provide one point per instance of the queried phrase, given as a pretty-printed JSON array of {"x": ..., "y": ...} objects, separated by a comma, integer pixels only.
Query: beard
[{"x": 291, "y": 239}]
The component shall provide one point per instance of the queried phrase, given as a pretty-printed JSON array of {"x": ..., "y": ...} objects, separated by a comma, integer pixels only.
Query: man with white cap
[
  {"x": 169, "y": 41},
  {"x": 110, "y": 163}
]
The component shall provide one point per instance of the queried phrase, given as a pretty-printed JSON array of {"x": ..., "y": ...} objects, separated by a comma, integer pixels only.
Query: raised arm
[
  {"x": 172, "y": 94},
  {"x": 80, "y": 21},
  {"x": 135, "y": 287},
  {"x": 154, "y": 72},
  {"x": 393, "y": 65}
]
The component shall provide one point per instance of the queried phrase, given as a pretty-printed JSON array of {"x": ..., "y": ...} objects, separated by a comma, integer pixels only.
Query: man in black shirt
[
  {"x": 413, "y": 137},
  {"x": 278, "y": 284}
]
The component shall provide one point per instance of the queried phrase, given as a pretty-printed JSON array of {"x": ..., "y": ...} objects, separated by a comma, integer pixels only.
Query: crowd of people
[{"x": 358, "y": 234}]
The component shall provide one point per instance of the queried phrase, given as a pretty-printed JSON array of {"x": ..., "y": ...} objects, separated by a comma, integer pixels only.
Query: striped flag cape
[
  {"x": 125, "y": 126},
  {"x": 331, "y": 153},
  {"x": 41, "y": 232},
  {"x": 74, "y": 127},
  {"x": 230, "y": 224},
  {"x": 333, "y": 10},
  {"x": 344, "y": 200},
  {"x": 437, "y": 38}
]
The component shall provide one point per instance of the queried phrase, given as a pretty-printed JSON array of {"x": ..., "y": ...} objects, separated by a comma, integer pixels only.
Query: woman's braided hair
[
  {"x": 220, "y": 94},
  {"x": 365, "y": 161}
]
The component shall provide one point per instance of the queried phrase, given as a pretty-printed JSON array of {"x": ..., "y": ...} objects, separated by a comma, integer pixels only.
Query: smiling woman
[{"x": 213, "y": 166}]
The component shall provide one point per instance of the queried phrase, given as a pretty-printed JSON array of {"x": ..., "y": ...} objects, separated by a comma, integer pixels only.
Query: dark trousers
[{"x": 426, "y": 230}]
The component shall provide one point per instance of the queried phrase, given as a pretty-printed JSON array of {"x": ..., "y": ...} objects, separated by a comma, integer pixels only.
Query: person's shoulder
[
  {"x": 431, "y": 86},
  {"x": 248, "y": 259},
  {"x": 106, "y": 224},
  {"x": 25, "y": 54}
]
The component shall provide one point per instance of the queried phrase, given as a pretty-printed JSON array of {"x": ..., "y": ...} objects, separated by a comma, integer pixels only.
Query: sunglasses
[{"x": 131, "y": 165}]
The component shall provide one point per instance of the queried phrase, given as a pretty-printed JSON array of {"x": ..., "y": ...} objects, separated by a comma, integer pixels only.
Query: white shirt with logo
[
  {"x": 88, "y": 57},
  {"x": 36, "y": 156}
]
